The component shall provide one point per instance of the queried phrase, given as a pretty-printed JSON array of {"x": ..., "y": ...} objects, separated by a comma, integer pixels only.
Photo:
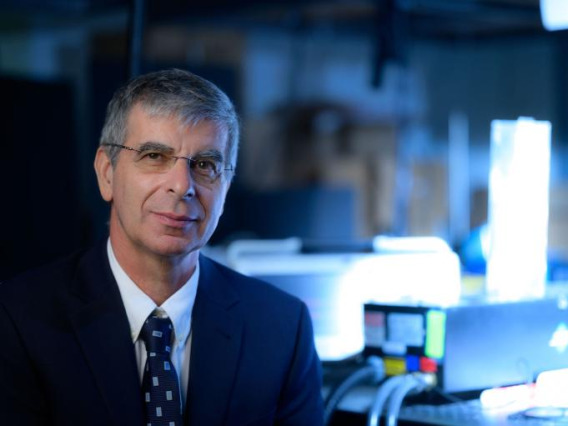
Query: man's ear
[{"x": 104, "y": 171}]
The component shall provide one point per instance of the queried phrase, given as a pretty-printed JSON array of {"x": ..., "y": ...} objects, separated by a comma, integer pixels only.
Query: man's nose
[{"x": 180, "y": 180}]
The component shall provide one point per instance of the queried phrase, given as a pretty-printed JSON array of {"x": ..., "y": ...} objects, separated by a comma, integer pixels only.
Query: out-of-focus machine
[
  {"x": 473, "y": 345},
  {"x": 396, "y": 305},
  {"x": 335, "y": 281}
]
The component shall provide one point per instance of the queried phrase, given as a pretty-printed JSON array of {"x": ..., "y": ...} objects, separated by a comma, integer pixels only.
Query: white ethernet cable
[
  {"x": 372, "y": 370},
  {"x": 394, "y": 390}
]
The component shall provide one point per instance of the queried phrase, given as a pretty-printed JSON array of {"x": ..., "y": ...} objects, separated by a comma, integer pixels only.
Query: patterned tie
[{"x": 160, "y": 387}]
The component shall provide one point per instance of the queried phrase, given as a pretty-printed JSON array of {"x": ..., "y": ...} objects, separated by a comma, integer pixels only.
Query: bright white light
[
  {"x": 384, "y": 243},
  {"x": 506, "y": 396},
  {"x": 424, "y": 278},
  {"x": 554, "y": 14},
  {"x": 552, "y": 388},
  {"x": 518, "y": 208},
  {"x": 559, "y": 339}
]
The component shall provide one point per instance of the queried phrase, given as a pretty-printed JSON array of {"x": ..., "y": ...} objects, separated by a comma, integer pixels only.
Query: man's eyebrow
[
  {"x": 156, "y": 146},
  {"x": 210, "y": 153},
  {"x": 214, "y": 154}
]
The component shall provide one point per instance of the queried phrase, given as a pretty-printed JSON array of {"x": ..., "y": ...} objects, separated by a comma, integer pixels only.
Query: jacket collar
[
  {"x": 216, "y": 342},
  {"x": 100, "y": 323},
  {"x": 101, "y": 326}
]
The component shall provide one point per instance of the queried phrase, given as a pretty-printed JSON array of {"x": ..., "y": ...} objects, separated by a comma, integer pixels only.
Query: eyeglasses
[{"x": 204, "y": 168}]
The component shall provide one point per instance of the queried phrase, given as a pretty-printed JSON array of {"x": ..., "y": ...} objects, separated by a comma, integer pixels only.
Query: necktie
[{"x": 160, "y": 387}]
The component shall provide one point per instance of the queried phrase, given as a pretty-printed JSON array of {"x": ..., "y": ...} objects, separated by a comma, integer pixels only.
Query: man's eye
[
  {"x": 206, "y": 165},
  {"x": 152, "y": 156}
]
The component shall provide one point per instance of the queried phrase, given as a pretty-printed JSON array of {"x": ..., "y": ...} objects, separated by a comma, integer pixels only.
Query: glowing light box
[{"x": 518, "y": 208}]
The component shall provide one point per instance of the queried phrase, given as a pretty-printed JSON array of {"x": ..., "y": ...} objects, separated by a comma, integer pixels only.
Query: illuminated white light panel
[
  {"x": 518, "y": 209},
  {"x": 554, "y": 14}
]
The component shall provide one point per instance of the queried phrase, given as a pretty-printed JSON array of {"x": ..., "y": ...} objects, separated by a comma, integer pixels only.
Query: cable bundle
[
  {"x": 394, "y": 390},
  {"x": 372, "y": 371}
]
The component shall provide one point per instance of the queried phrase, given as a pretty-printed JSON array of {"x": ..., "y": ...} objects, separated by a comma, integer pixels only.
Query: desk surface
[
  {"x": 465, "y": 413},
  {"x": 472, "y": 413}
]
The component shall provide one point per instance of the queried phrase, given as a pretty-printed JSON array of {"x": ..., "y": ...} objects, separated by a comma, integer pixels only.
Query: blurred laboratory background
[
  {"x": 359, "y": 117},
  {"x": 368, "y": 137}
]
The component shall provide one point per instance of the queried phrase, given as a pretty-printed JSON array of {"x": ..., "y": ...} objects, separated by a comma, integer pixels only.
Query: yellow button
[{"x": 394, "y": 366}]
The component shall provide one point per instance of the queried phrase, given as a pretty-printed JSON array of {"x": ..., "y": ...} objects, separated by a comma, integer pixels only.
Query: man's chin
[{"x": 174, "y": 247}]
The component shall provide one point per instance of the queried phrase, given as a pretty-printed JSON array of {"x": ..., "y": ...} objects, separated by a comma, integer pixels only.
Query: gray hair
[{"x": 191, "y": 98}]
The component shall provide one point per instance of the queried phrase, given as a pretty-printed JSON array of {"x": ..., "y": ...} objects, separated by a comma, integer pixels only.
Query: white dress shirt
[{"x": 178, "y": 308}]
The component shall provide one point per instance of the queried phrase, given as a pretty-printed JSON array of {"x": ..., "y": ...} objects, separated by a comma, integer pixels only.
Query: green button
[{"x": 435, "y": 334}]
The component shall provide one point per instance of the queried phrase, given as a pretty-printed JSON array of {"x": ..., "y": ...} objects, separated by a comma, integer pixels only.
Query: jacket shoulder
[
  {"x": 249, "y": 288},
  {"x": 40, "y": 281}
]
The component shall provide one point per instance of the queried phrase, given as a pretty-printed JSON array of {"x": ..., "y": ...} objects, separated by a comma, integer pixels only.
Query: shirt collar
[{"x": 178, "y": 307}]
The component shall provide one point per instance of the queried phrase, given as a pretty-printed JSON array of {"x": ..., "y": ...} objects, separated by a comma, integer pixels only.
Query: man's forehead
[
  {"x": 143, "y": 113},
  {"x": 185, "y": 120}
]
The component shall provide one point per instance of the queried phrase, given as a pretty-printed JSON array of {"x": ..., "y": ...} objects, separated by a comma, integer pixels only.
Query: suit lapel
[
  {"x": 102, "y": 329},
  {"x": 216, "y": 342}
]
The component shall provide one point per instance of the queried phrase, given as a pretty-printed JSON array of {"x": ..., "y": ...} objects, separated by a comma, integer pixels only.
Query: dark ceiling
[{"x": 419, "y": 18}]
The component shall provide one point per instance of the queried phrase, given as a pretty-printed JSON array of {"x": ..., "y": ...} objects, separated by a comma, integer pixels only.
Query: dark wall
[{"x": 41, "y": 217}]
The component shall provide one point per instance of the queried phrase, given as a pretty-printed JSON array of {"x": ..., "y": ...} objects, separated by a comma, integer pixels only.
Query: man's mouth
[{"x": 174, "y": 220}]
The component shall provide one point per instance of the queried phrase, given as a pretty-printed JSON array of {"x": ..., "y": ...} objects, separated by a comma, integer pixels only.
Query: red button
[{"x": 428, "y": 365}]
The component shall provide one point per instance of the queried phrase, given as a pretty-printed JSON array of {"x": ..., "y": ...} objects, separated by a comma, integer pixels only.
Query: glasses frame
[{"x": 189, "y": 160}]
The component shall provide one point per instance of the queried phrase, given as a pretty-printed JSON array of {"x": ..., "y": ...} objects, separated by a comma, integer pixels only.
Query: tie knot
[{"x": 157, "y": 334}]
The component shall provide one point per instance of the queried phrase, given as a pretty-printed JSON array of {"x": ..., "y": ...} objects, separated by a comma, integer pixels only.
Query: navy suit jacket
[{"x": 67, "y": 357}]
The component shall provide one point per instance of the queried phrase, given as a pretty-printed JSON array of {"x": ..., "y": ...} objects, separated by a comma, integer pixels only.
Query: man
[{"x": 142, "y": 329}]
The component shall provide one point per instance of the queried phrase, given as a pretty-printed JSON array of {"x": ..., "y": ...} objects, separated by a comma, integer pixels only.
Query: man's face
[{"x": 163, "y": 213}]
